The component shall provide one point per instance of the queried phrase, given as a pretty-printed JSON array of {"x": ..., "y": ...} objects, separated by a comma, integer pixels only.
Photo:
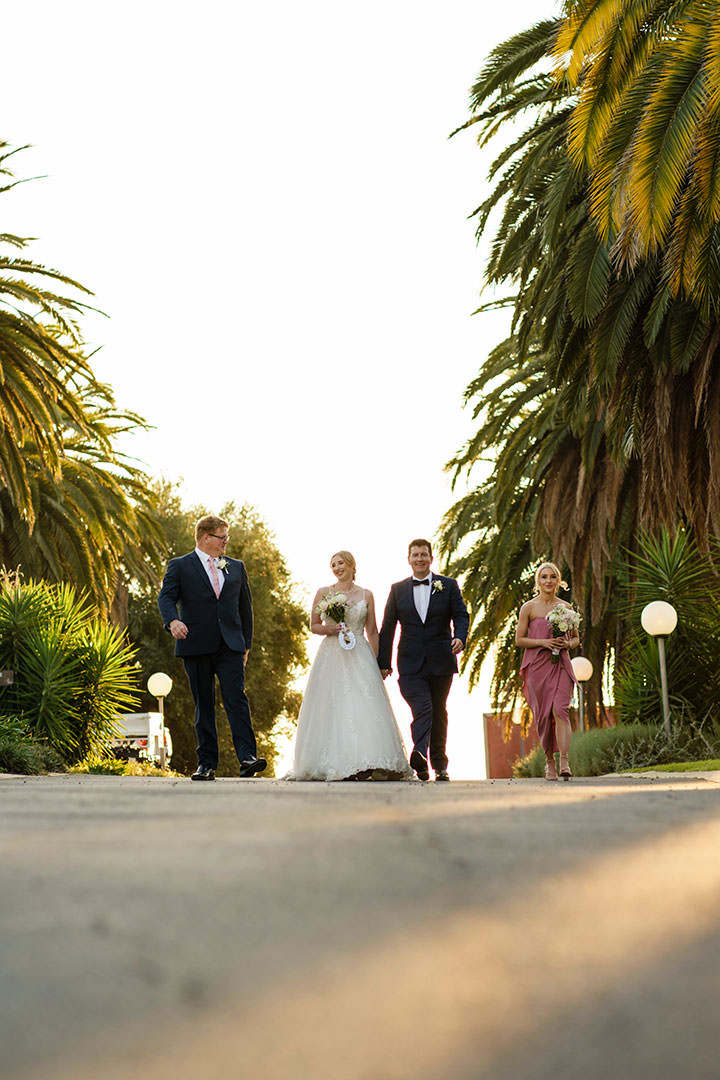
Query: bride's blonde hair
[
  {"x": 549, "y": 566},
  {"x": 349, "y": 559}
]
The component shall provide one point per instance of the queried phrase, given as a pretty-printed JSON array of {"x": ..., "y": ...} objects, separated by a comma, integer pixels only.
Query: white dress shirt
[
  {"x": 421, "y": 596},
  {"x": 205, "y": 560}
]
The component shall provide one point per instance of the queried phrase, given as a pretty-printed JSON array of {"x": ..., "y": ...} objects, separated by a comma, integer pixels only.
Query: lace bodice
[{"x": 355, "y": 618}]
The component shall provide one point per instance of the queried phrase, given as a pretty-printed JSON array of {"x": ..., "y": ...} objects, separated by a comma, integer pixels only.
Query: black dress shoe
[
  {"x": 420, "y": 765},
  {"x": 203, "y": 772},
  {"x": 441, "y": 774},
  {"x": 250, "y": 766}
]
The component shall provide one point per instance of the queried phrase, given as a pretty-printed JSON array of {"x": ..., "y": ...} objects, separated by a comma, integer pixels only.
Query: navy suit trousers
[
  {"x": 230, "y": 670},
  {"x": 426, "y": 694}
]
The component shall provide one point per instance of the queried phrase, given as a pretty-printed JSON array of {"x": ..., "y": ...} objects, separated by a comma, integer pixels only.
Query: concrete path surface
[{"x": 512, "y": 930}]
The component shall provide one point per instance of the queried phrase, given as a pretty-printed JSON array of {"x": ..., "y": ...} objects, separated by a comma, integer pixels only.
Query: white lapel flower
[
  {"x": 438, "y": 586},
  {"x": 222, "y": 564}
]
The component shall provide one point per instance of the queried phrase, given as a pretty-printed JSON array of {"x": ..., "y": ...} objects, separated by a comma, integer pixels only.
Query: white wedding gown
[{"x": 346, "y": 723}]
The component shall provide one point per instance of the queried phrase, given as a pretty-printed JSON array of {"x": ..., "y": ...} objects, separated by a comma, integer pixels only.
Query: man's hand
[
  {"x": 178, "y": 629},
  {"x": 385, "y": 672},
  {"x": 456, "y": 645}
]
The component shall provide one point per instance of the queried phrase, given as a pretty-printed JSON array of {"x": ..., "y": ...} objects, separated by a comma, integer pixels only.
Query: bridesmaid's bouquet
[
  {"x": 562, "y": 620},
  {"x": 334, "y": 605}
]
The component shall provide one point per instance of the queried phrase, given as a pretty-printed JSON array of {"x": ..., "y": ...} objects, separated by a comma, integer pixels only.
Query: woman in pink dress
[{"x": 547, "y": 685}]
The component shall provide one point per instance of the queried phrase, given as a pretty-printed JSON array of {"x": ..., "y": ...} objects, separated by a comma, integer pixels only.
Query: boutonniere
[
  {"x": 438, "y": 586},
  {"x": 222, "y": 564}
]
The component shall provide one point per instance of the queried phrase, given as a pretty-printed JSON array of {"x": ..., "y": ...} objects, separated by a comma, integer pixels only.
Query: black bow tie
[{"x": 425, "y": 582}]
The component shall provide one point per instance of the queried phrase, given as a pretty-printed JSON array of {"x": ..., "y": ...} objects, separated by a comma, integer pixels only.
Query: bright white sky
[{"x": 264, "y": 200}]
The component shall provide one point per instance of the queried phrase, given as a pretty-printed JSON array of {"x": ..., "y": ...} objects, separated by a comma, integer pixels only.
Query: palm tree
[
  {"x": 41, "y": 363},
  {"x": 599, "y": 409},
  {"x": 95, "y": 522},
  {"x": 645, "y": 126},
  {"x": 72, "y": 507}
]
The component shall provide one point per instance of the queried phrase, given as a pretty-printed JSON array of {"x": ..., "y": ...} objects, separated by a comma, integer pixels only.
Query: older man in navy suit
[
  {"x": 433, "y": 630},
  {"x": 206, "y": 605}
]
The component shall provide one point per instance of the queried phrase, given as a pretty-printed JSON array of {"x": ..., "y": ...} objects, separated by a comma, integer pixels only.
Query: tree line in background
[
  {"x": 598, "y": 426},
  {"x": 84, "y": 537}
]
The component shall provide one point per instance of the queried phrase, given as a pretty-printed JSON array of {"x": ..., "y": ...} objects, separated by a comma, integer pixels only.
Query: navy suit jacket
[
  {"x": 429, "y": 640},
  {"x": 187, "y": 594}
]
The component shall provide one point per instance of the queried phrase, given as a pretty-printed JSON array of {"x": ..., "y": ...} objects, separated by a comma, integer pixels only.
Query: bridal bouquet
[
  {"x": 562, "y": 620},
  {"x": 334, "y": 605}
]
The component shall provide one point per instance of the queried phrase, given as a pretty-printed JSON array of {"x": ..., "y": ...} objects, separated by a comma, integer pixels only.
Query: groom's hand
[
  {"x": 385, "y": 672},
  {"x": 456, "y": 645},
  {"x": 178, "y": 629}
]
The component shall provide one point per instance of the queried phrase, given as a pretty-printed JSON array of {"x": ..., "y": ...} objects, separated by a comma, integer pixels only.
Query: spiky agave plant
[{"x": 72, "y": 671}]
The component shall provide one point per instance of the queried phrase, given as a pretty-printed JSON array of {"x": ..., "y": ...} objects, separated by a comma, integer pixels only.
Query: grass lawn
[{"x": 709, "y": 765}]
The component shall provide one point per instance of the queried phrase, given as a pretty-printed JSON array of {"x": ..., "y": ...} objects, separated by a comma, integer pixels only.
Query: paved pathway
[{"x": 512, "y": 930}]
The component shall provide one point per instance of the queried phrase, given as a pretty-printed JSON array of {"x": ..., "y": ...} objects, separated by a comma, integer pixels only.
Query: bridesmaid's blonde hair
[
  {"x": 548, "y": 566},
  {"x": 349, "y": 559}
]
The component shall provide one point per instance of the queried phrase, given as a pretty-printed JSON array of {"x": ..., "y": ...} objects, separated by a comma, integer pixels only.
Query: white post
[{"x": 664, "y": 686}]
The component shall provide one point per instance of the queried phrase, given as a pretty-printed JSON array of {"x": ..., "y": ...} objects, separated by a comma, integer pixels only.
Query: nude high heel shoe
[
  {"x": 565, "y": 772},
  {"x": 550, "y": 770}
]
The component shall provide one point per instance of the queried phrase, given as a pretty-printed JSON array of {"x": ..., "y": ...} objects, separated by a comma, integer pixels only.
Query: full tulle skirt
[{"x": 346, "y": 724}]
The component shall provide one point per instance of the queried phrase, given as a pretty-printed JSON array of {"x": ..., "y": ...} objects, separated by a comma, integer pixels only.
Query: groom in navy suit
[
  {"x": 433, "y": 630},
  {"x": 206, "y": 605}
]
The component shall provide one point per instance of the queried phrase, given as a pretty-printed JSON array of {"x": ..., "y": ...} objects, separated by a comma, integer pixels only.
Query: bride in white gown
[{"x": 346, "y": 727}]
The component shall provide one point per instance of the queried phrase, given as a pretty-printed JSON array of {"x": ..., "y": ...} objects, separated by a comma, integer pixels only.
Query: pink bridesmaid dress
[{"x": 546, "y": 685}]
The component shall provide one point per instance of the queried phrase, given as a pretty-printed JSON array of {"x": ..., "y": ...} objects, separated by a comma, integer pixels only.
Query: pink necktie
[{"x": 214, "y": 577}]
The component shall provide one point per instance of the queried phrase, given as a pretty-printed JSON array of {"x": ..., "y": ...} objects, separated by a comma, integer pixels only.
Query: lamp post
[
  {"x": 159, "y": 685},
  {"x": 583, "y": 670},
  {"x": 660, "y": 619}
]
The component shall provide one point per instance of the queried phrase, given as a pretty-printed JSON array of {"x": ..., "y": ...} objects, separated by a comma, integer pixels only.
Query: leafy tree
[{"x": 278, "y": 652}]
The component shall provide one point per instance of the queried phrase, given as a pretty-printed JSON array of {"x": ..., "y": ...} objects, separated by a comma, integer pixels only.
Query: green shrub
[
  {"x": 531, "y": 766},
  {"x": 72, "y": 672},
  {"x": 631, "y": 746},
  {"x": 20, "y": 754},
  {"x": 98, "y": 764},
  {"x": 637, "y": 746},
  {"x": 104, "y": 765},
  {"x": 608, "y": 750}
]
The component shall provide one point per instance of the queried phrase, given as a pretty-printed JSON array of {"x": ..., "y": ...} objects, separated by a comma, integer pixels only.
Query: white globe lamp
[
  {"x": 159, "y": 685},
  {"x": 583, "y": 669},
  {"x": 658, "y": 618}
]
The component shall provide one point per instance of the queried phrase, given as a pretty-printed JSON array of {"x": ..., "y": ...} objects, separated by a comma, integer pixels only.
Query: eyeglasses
[{"x": 216, "y": 537}]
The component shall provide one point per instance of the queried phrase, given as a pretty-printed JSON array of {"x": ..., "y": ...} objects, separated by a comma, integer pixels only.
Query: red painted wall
[{"x": 499, "y": 755}]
